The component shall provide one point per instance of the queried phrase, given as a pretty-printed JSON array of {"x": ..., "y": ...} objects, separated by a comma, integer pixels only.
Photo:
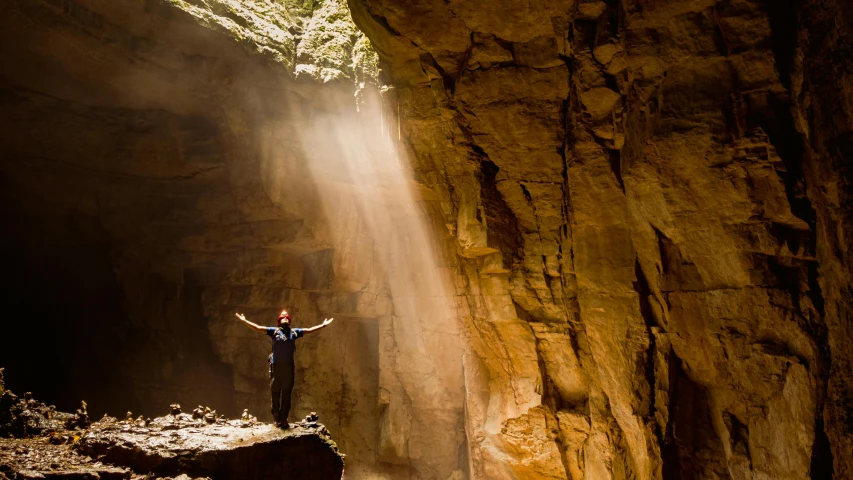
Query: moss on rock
[
  {"x": 316, "y": 38},
  {"x": 326, "y": 52},
  {"x": 262, "y": 26}
]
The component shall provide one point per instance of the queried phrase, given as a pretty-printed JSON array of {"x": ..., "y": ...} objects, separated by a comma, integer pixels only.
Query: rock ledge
[
  {"x": 44, "y": 443},
  {"x": 180, "y": 445}
]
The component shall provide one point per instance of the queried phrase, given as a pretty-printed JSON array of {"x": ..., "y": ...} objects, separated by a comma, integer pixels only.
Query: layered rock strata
[{"x": 648, "y": 205}]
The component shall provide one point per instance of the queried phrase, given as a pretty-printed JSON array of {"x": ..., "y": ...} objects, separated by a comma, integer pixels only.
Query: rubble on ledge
[
  {"x": 26, "y": 458},
  {"x": 43, "y": 443},
  {"x": 223, "y": 449}
]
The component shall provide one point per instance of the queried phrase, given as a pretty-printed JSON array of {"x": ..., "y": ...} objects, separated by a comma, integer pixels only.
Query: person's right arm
[{"x": 253, "y": 325}]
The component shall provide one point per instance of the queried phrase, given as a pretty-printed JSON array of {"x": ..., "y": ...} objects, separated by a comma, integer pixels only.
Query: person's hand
[
  {"x": 240, "y": 316},
  {"x": 327, "y": 321}
]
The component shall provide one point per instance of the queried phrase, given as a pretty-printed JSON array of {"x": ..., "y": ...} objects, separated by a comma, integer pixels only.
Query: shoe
[{"x": 283, "y": 425}]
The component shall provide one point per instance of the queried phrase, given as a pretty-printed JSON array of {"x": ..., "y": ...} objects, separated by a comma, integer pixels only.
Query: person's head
[{"x": 284, "y": 319}]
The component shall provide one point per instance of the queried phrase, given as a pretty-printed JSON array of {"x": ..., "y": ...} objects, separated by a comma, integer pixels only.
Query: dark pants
[{"x": 281, "y": 385}]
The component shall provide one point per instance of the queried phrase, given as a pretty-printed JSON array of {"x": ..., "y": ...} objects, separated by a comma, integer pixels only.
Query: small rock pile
[
  {"x": 176, "y": 419},
  {"x": 27, "y": 417}
]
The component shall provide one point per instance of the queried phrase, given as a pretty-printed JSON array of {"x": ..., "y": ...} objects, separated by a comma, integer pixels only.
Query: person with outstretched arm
[{"x": 281, "y": 361}]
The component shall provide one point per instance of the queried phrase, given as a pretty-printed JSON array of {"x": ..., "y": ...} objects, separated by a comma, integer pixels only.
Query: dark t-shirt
[{"x": 283, "y": 343}]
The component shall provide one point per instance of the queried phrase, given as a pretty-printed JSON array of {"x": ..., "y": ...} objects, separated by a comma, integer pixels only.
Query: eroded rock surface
[
  {"x": 38, "y": 458},
  {"x": 651, "y": 243},
  {"x": 44, "y": 443},
  {"x": 172, "y": 445}
]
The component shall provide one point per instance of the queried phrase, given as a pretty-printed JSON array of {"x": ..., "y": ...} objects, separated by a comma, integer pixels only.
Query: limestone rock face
[{"x": 651, "y": 209}]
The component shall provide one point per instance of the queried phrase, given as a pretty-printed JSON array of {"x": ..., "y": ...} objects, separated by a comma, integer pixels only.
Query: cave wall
[
  {"x": 155, "y": 182},
  {"x": 821, "y": 84},
  {"x": 650, "y": 206}
]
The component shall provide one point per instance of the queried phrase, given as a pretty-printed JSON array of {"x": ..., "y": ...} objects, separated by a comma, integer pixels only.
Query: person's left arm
[{"x": 325, "y": 323}]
